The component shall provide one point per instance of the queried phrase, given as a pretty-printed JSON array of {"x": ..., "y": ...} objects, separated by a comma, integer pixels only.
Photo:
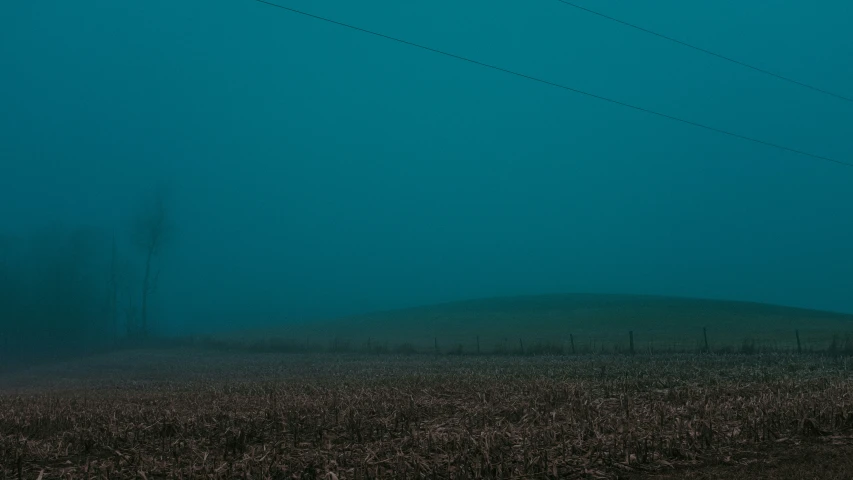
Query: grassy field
[
  {"x": 184, "y": 413},
  {"x": 592, "y": 321}
]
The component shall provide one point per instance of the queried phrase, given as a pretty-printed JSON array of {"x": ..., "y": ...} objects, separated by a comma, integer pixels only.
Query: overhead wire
[
  {"x": 559, "y": 85},
  {"x": 705, "y": 51}
]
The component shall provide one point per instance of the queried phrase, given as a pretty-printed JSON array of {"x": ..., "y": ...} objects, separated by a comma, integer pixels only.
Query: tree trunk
[
  {"x": 114, "y": 293},
  {"x": 145, "y": 289},
  {"x": 114, "y": 314}
]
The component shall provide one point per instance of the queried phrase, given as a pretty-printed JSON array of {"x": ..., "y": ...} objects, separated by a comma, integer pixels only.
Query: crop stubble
[{"x": 188, "y": 414}]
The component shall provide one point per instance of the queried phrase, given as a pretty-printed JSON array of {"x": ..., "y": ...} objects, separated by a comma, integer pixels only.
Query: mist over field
[
  {"x": 299, "y": 171},
  {"x": 269, "y": 239}
]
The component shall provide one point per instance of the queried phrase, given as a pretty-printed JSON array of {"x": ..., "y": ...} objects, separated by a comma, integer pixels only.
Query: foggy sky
[{"x": 317, "y": 171}]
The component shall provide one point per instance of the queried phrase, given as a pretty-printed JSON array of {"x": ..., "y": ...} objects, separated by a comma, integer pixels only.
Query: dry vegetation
[{"x": 190, "y": 414}]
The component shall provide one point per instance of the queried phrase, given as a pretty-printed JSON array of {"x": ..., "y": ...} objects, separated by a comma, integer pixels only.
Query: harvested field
[{"x": 191, "y": 414}]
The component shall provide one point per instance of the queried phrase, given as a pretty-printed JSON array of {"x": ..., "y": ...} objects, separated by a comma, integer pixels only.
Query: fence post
[
  {"x": 572, "y": 339},
  {"x": 799, "y": 346},
  {"x": 705, "y": 334},
  {"x": 631, "y": 339}
]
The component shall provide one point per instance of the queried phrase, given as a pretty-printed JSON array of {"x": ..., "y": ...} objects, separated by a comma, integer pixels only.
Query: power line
[
  {"x": 558, "y": 85},
  {"x": 705, "y": 51}
]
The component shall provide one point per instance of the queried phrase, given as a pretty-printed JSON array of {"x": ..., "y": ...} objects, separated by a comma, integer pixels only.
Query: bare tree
[
  {"x": 130, "y": 320},
  {"x": 152, "y": 228},
  {"x": 113, "y": 291},
  {"x": 5, "y": 296}
]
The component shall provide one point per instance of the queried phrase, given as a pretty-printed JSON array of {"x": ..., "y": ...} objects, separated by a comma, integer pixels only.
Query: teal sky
[{"x": 319, "y": 171}]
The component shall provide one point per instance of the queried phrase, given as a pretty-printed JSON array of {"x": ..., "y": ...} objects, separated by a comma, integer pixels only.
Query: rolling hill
[{"x": 592, "y": 321}]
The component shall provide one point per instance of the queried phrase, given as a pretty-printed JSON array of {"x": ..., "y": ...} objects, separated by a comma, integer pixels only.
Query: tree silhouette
[{"x": 152, "y": 229}]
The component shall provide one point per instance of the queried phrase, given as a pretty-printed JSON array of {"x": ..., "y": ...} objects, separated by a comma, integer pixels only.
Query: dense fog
[{"x": 181, "y": 168}]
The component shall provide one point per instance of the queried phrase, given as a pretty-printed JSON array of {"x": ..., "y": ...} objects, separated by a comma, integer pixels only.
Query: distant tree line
[{"x": 67, "y": 290}]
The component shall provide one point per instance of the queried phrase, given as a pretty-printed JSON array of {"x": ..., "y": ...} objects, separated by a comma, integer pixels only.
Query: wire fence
[{"x": 630, "y": 343}]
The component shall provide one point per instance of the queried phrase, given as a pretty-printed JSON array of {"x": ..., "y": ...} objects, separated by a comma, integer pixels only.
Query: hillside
[{"x": 592, "y": 320}]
